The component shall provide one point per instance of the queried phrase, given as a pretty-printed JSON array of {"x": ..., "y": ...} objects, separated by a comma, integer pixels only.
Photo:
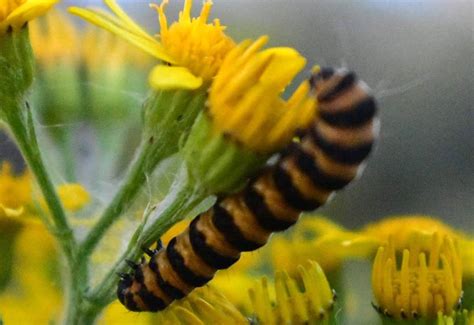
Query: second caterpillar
[{"x": 328, "y": 156}]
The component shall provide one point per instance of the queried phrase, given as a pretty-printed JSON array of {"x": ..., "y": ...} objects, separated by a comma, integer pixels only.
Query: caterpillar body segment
[{"x": 328, "y": 155}]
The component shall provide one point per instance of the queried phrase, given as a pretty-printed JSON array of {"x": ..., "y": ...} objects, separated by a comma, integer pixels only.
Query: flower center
[
  {"x": 425, "y": 282},
  {"x": 194, "y": 43},
  {"x": 7, "y": 6}
]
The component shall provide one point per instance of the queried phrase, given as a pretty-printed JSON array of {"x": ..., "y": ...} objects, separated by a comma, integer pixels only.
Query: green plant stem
[
  {"x": 169, "y": 114},
  {"x": 20, "y": 122},
  {"x": 76, "y": 279},
  {"x": 184, "y": 197},
  {"x": 133, "y": 182}
]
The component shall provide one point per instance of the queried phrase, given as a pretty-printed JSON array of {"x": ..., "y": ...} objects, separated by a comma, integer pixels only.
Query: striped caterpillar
[{"x": 327, "y": 157}]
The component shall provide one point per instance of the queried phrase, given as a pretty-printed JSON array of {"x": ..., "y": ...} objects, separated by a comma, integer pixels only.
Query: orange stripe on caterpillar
[{"x": 328, "y": 156}]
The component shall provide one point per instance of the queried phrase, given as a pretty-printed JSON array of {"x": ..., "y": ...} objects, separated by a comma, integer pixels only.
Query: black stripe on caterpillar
[{"x": 327, "y": 157}]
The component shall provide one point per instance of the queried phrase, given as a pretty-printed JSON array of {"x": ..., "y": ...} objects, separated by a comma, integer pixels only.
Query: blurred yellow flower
[
  {"x": 16, "y": 13},
  {"x": 321, "y": 236},
  {"x": 55, "y": 39},
  {"x": 15, "y": 191},
  {"x": 402, "y": 229},
  {"x": 32, "y": 295},
  {"x": 194, "y": 48},
  {"x": 316, "y": 238},
  {"x": 428, "y": 280},
  {"x": 404, "y": 226},
  {"x": 73, "y": 196}
]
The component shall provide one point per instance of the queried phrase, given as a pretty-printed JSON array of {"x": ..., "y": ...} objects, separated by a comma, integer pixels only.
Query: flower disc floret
[
  {"x": 425, "y": 283},
  {"x": 193, "y": 42}
]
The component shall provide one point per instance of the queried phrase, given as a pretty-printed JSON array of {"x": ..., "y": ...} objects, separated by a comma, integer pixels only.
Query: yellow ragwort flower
[
  {"x": 365, "y": 242},
  {"x": 319, "y": 239},
  {"x": 193, "y": 48},
  {"x": 291, "y": 305},
  {"x": 245, "y": 98},
  {"x": 15, "y": 191},
  {"x": 425, "y": 280},
  {"x": 16, "y": 13}
]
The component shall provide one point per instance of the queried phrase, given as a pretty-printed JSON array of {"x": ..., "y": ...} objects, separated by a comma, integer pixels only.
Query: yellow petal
[
  {"x": 132, "y": 26},
  {"x": 28, "y": 11},
  {"x": 113, "y": 25},
  {"x": 166, "y": 77},
  {"x": 285, "y": 64}
]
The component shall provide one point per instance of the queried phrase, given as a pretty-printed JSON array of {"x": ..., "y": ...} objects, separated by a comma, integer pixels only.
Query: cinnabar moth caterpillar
[{"x": 327, "y": 157}]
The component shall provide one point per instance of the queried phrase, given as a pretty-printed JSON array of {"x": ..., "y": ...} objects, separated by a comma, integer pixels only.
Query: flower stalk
[
  {"x": 184, "y": 197},
  {"x": 168, "y": 114},
  {"x": 20, "y": 122}
]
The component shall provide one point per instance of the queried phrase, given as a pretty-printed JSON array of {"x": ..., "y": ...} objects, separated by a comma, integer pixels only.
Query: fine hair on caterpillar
[{"x": 327, "y": 157}]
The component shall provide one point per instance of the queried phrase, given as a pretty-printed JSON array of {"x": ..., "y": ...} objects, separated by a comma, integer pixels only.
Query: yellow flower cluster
[{"x": 428, "y": 279}]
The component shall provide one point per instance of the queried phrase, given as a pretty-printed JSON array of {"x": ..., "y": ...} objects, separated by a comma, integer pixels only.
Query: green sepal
[
  {"x": 217, "y": 162},
  {"x": 168, "y": 117},
  {"x": 16, "y": 66}
]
